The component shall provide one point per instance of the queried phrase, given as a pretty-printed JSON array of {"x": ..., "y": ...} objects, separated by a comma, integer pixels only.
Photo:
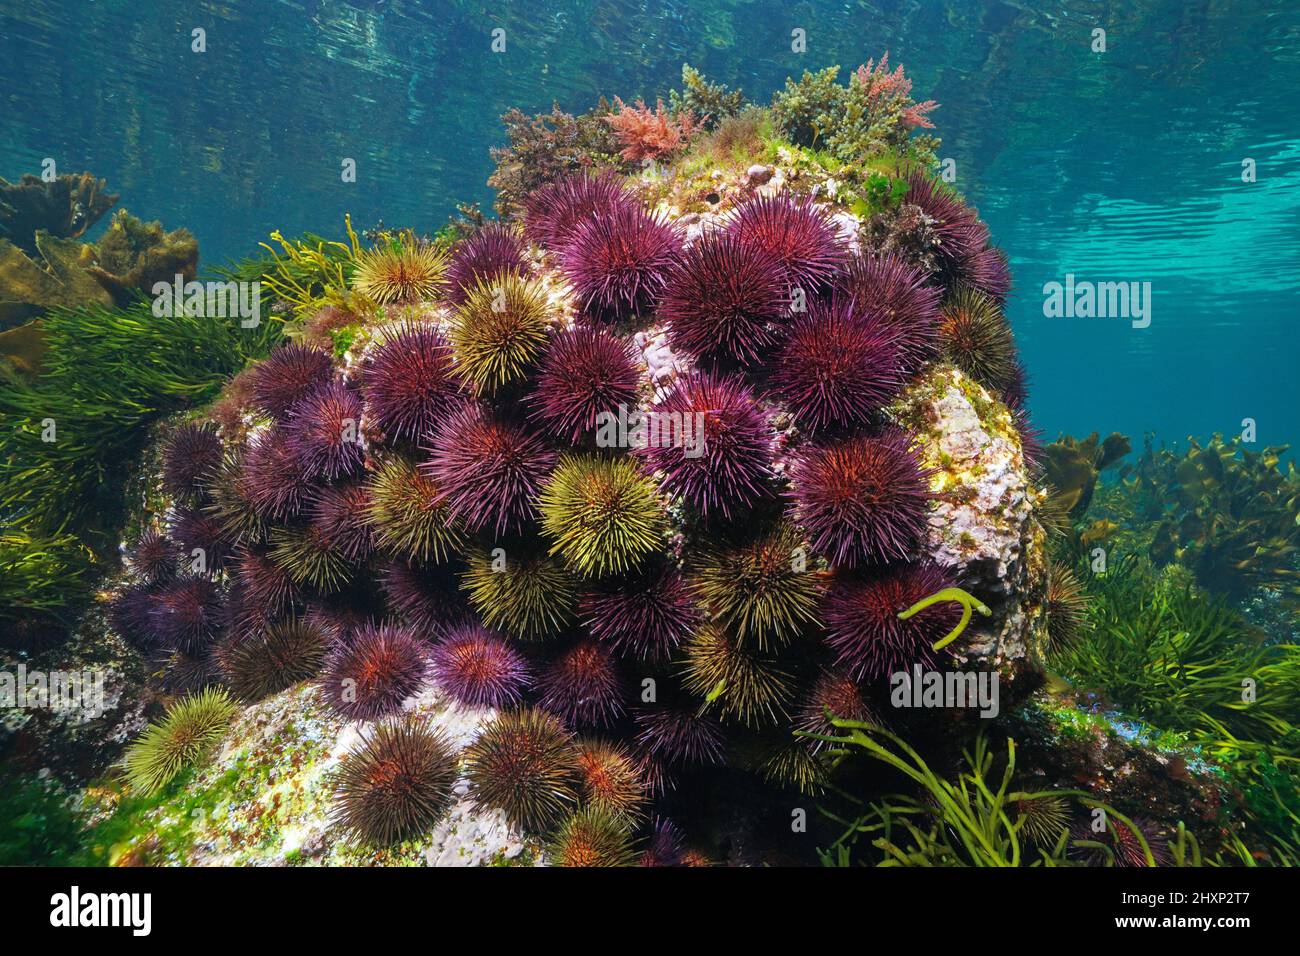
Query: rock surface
[{"x": 982, "y": 520}]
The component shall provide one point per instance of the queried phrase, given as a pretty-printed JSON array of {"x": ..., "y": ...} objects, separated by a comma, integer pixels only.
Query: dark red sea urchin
[
  {"x": 619, "y": 260},
  {"x": 680, "y": 734},
  {"x": 154, "y": 557},
  {"x": 896, "y": 294},
  {"x": 645, "y": 617},
  {"x": 863, "y": 627},
  {"x": 325, "y": 432},
  {"x": 274, "y": 482},
  {"x": 203, "y": 546},
  {"x": 526, "y": 764},
  {"x": 586, "y": 371},
  {"x": 409, "y": 381},
  {"x": 962, "y": 235},
  {"x": 190, "y": 459},
  {"x": 476, "y": 667},
  {"x": 338, "y": 515},
  {"x": 582, "y": 686},
  {"x": 396, "y": 784},
  {"x": 186, "y": 614},
  {"x": 725, "y": 300},
  {"x": 286, "y": 376},
  {"x": 558, "y": 209},
  {"x": 724, "y": 466},
  {"x": 862, "y": 500},
  {"x": 834, "y": 693},
  {"x": 838, "y": 366},
  {"x": 371, "y": 675},
  {"x": 425, "y": 596},
  {"x": 799, "y": 233},
  {"x": 490, "y": 251},
  {"x": 488, "y": 469}
]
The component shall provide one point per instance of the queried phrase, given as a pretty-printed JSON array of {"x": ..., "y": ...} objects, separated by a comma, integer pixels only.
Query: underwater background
[
  {"x": 479, "y": 229},
  {"x": 1124, "y": 166}
]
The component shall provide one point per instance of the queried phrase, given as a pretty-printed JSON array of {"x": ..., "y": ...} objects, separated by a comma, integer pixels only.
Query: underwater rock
[{"x": 982, "y": 521}]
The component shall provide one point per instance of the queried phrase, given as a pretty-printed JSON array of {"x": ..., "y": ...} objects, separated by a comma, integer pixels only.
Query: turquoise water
[{"x": 1116, "y": 166}]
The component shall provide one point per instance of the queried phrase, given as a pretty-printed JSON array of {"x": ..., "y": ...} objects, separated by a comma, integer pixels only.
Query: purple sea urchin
[
  {"x": 618, "y": 261},
  {"x": 154, "y": 557},
  {"x": 186, "y": 614},
  {"x": 287, "y": 376},
  {"x": 896, "y": 295},
  {"x": 274, "y": 482},
  {"x": 478, "y": 668},
  {"x": 409, "y": 381},
  {"x": 837, "y": 367},
  {"x": 265, "y": 588},
  {"x": 488, "y": 469},
  {"x": 863, "y": 627},
  {"x": 799, "y": 234},
  {"x": 586, "y": 371},
  {"x": 582, "y": 686},
  {"x": 190, "y": 459},
  {"x": 202, "y": 542},
  {"x": 424, "y": 596},
  {"x": 370, "y": 676},
  {"x": 834, "y": 694},
  {"x": 493, "y": 250},
  {"x": 396, "y": 784},
  {"x": 720, "y": 458},
  {"x": 338, "y": 516},
  {"x": 725, "y": 300},
  {"x": 646, "y": 616},
  {"x": 957, "y": 227},
  {"x": 862, "y": 500},
  {"x": 525, "y": 763},
  {"x": 558, "y": 209},
  {"x": 666, "y": 845},
  {"x": 679, "y": 734},
  {"x": 325, "y": 432}
]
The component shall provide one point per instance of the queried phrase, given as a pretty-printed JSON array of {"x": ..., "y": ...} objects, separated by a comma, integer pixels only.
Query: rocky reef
[{"x": 607, "y": 532}]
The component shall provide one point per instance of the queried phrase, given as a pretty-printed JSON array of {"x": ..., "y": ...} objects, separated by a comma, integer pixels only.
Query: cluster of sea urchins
[{"x": 455, "y": 509}]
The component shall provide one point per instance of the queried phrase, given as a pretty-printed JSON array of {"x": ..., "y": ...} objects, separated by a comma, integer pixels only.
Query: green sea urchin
[
  {"x": 526, "y": 764},
  {"x": 396, "y": 783},
  {"x": 603, "y": 514}
]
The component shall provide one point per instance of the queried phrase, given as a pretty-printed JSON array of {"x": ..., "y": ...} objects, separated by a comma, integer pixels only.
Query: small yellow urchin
[{"x": 406, "y": 270}]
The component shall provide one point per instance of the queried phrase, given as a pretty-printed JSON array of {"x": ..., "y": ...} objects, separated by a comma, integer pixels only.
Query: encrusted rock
[{"x": 982, "y": 520}]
